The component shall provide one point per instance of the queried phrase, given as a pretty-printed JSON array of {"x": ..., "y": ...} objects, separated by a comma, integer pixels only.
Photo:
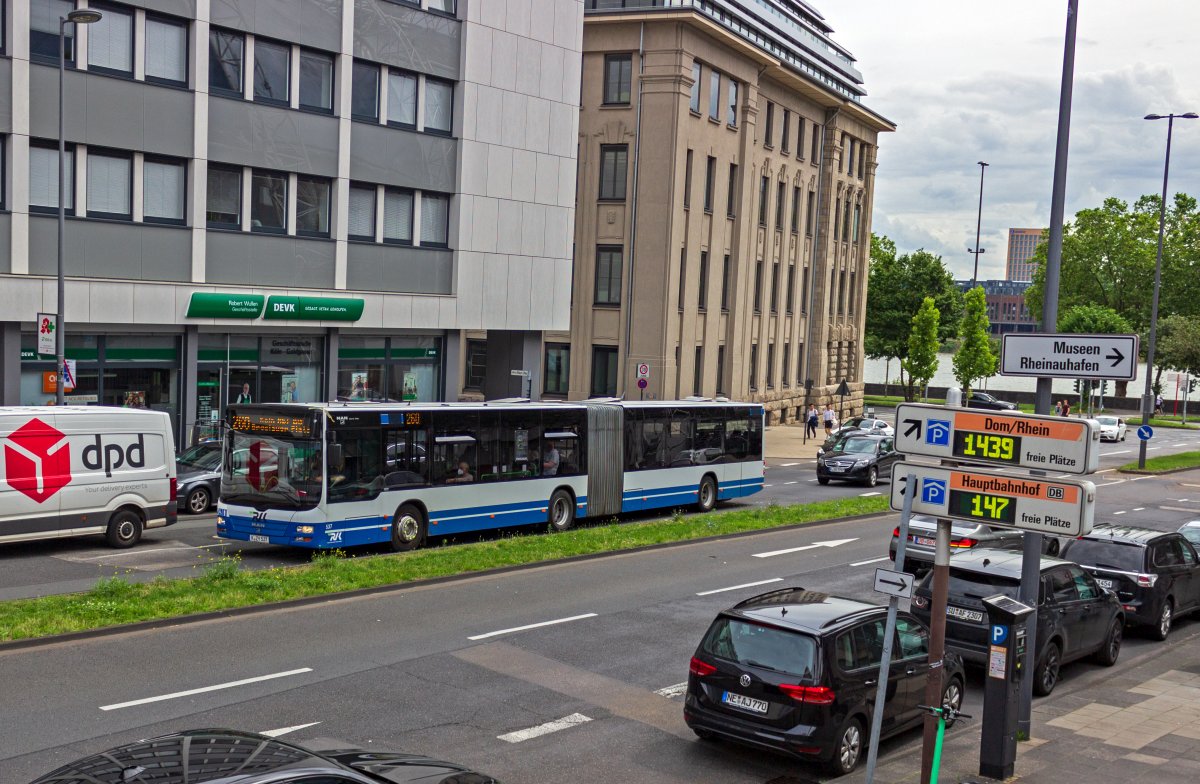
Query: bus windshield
[{"x": 271, "y": 472}]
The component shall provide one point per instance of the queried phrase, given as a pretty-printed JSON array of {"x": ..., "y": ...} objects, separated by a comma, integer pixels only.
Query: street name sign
[
  {"x": 898, "y": 584},
  {"x": 1059, "y": 507},
  {"x": 1062, "y": 444},
  {"x": 1069, "y": 356}
]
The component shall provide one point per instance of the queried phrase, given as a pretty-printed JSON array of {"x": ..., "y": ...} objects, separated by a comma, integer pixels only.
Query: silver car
[{"x": 964, "y": 535}]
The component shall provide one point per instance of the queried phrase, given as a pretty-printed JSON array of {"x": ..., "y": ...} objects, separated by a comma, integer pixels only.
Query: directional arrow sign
[
  {"x": 1069, "y": 356},
  {"x": 898, "y": 584},
  {"x": 1016, "y": 440},
  {"x": 1060, "y": 507},
  {"x": 813, "y": 546}
]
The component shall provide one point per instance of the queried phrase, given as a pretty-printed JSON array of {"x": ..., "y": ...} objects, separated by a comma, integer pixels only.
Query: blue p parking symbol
[
  {"x": 937, "y": 432},
  {"x": 999, "y": 634},
  {"x": 933, "y": 491}
]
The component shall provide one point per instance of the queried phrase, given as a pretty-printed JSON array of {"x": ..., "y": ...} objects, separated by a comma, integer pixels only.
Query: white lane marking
[
  {"x": 1180, "y": 500},
  {"x": 286, "y": 730},
  {"x": 1139, "y": 508},
  {"x": 873, "y": 560},
  {"x": 743, "y": 585},
  {"x": 1106, "y": 471},
  {"x": 1119, "y": 452},
  {"x": 203, "y": 689},
  {"x": 788, "y": 465},
  {"x": 830, "y": 543},
  {"x": 812, "y": 480},
  {"x": 135, "y": 551},
  {"x": 768, "y": 485},
  {"x": 1063, "y": 476},
  {"x": 1106, "y": 484},
  {"x": 672, "y": 691},
  {"x": 532, "y": 626},
  {"x": 791, "y": 482},
  {"x": 868, "y": 495},
  {"x": 544, "y": 729},
  {"x": 1152, "y": 448},
  {"x": 1140, "y": 478},
  {"x": 1117, "y": 513}
]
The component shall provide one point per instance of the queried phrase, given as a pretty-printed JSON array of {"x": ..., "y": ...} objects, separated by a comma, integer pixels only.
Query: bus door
[{"x": 605, "y": 456}]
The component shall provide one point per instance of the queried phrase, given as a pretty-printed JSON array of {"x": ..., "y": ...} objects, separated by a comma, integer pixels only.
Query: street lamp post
[
  {"x": 978, "y": 225},
  {"x": 1148, "y": 397},
  {"x": 76, "y": 17}
]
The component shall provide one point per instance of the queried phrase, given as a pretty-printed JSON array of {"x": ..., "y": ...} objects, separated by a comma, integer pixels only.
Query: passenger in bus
[
  {"x": 550, "y": 460},
  {"x": 463, "y": 476}
]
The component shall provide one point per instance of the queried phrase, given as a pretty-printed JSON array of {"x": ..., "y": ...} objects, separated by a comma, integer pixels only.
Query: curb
[{"x": 1164, "y": 472}]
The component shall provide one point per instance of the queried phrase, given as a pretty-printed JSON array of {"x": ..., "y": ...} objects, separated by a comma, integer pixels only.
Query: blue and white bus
[{"x": 343, "y": 474}]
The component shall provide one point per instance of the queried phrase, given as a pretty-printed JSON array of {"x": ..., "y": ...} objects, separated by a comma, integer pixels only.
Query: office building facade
[
  {"x": 726, "y": 183},
  {"x": 285, "y": 200},
  {"x": 1007, "y": 310},
  {"x": 1022, "y": 244}
]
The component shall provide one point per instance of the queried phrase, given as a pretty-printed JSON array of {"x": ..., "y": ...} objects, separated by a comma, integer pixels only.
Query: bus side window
[
  {"x": 454, "y": 441},
  {"x": 678, "y": 439},
  {"x": 737, "y": 438},
  {"x": 405, "y": 463},
  {"x": 653, "y": 452},
  {"x": 555, "y": 426},
  {"x": 710, "y": 439}
]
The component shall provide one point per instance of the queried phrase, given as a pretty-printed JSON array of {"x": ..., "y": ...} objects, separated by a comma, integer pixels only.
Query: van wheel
[
  {"x": 707, "y": 497},
  {"x": 124, "y": 529},
  {"x": 562, "y": 511},
  {"x": 847, "y": 749},
  {"x": 408, "y": 528}
]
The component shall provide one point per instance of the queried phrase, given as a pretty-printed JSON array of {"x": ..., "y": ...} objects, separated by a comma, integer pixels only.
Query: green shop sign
[
  {"x": 314, "y": 308},
  {"x": 205, "y": 304}
]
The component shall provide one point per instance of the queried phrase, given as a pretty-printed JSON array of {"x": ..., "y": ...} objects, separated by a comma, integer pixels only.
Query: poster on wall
[
  {"x": 358, "y": 386},
  {"x": 410, "y": 386},
  {"x": 135, "y": 398},
  {"x": 288, "y": 391}
]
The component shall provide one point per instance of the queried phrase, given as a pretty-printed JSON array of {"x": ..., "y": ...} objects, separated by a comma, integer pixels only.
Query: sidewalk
[
  {"x": 787, "y": 442},
  {"x": 1141, "y": 724}
]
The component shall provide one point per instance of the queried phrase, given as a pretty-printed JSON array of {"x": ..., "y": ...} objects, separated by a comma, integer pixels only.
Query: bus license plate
[
  {"x": 260, "y": 538},
  {"x": 744, "y": 702}
]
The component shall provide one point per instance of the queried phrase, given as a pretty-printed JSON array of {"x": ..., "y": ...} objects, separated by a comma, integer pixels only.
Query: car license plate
[
  {"x": 975, "y": 616},
  {"x": 836, "y": 468},
  {"x": 744, "y": 702},
  {"x": 260, "y": 538},
  {"x": 924, "y": 541},
  {"x": 1104, "y": 583}
]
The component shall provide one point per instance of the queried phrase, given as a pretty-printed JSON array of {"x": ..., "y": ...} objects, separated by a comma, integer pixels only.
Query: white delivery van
[{"x": 77, "y": 470}]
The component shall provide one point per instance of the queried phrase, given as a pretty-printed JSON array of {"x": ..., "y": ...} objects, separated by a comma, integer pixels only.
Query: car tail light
[
  {"x": 896, "y": 532},
  {"x": 1146, "y": 580},
  {"x": 966, "y": 541},
  {"x": 174, "y": 489},
  {"x": 700, "y": 668},
  {"x": 812, "y": 695}
]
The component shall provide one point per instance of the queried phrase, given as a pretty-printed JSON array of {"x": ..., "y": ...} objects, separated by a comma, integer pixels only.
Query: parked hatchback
[
  {"x": 858, "y": 458},
  {"x": 796, "y": 671},
  {"x": 1155, "y": 574},
  {"x": 1076, "y": 617},
  {"x": 989, "y": 402},
  {"x": 964, "y": 535}
]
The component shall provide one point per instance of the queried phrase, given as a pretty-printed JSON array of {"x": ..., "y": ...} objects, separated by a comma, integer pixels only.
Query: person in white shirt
[{"x": 550, "y": 461}]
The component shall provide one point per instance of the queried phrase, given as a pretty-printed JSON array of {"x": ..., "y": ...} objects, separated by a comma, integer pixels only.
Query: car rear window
[
  {"x": 1105, "y": 553},
  {"x": 978, "y": 586},
  {"x": 757, "y": 645}
]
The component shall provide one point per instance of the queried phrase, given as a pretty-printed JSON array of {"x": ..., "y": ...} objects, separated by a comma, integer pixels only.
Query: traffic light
[{"x": 1077, "y": 389}]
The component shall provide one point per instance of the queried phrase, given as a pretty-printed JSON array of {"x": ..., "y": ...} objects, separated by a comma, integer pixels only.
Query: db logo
[
  {"x": 37, "y": 460},
  {"x": 262, "y": 469}
]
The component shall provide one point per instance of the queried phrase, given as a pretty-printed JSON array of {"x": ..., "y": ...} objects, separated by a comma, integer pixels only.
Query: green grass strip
[
  {"x": 1164, "y": 463},
  {"x": 889, "y": 401},
  {"x": 1176, "y": 422},
  {"x": 225, "y": 585}
]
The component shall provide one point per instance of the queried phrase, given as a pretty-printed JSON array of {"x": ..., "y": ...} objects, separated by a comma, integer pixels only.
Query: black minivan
[
  {"x": 796, "y": 671},
  {"x": 1155, "y": 574},
  {"x": 1076, "y": 617}
]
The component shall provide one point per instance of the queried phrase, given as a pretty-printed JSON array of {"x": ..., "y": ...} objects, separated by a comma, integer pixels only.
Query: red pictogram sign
[
  {"x": 262, "y": 470},
  {"x": 37, "y": 460}
]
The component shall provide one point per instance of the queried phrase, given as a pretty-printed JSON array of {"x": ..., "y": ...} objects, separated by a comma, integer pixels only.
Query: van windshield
[{"x": 271, "y": 473}]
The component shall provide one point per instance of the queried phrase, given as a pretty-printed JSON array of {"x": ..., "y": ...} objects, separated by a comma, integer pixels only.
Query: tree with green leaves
[
  {"x": 974, "y": 358},
  {"x": 922, "y": 360},
  {"x": 1178, "y": 345}
]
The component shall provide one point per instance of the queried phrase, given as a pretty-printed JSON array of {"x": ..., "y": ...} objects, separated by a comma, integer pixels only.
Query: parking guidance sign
[
  {"x": 1069, "y": 356},
  {"x": 1063, "y": 444}
]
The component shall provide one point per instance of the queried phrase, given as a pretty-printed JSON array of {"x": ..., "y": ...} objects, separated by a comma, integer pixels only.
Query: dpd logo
[{"x": 37, "y": 460}]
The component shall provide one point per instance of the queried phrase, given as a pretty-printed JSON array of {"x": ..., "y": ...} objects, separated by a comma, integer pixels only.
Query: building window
[
  {"x": 694, "y": 103},
  {"x": 714, "y": 95},
  {"x": 439, "y": 106},
  {"x": 785, "y": 132},
  {"x": 402, "y": 99},
  {"x": 687, "y": 181},
  {"x": 862, "y": 161},
  {"x": 698, "y": 372},
  {"x": 804, "y": 293},
  {"x": 447, "y": 7},
  {"x": 791, "y": 288},
  {"x": 618, "y": 76},
  {"x": 733, "y": 104},
  {"x": 854, "y": 296},
  {"x": 614, "y": 164},
  {"x": 435, "y": 219},
  {"x": 810, "y": 216},
  {"x": 682, "y": 275},
  {"x": 775, "y": 287},
  {"x": 799, "y": 364},
  {"x": 364, "y": 92},
  {"x": 758, "y": 282},
  {"x": 752, "y": 376},
  {"x": 43, "y": 29},
  {"x": 720, "y": 370},
  {"x": 731, "y": 197},
  {"x": 225, "y": 52},
  {"x": 846, "y": 221},
  {"x": 795, "y": 209},
  {"x": 312, "y": 206},
  {"x": 224, "y": 208},
  {"x": 764, "y": 198},
  {"x": 710, "y": 175},
  {"x": 272, "y": 71},
  {"x": 770, "y": 374},
  {"x": 476, "y": 365},
  {"x": 769, "y": 126},
  {"x": 316, "y": 81},
  {"x": 268, "y": 202},
  {"x": 361, "y": 224},
  {"x": 43, "y": 178},
  {"x": 110, "y": 41},
  {"x": 850, "y": 158},
  {"x": 799, "y": 137},
  {"x": 842, "y": 157},
  {"x": 397, "y": 216},
  {"x": 857, "y": 217},
  {"x": 164, "y": 183},
  {"x": 166, "y": 51},
  {"x": 787, "y": 365},
  {"x": 608, "y": 275},
  {"x": 109, "y": 185},
  {"x": 604, "y": 371},
  {"x": 780, "y": 204},
  {"x": 725, "y": 272},
  {"x": 816, "y": 144},
  {"x": 703, "y": 280},
  {"x": 558, "y": 369}
]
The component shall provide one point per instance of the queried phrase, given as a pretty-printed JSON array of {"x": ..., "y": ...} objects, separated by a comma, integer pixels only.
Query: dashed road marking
[
  {"x": 788, "y": 465},
  {"x": 868, "y": 495},
  {"x": 1139, "y": 508},
  {"x": 743, "y": 585},
  {"x": 873, "y": 560},
  {"x": 203, "y": 689},
  {"x": 565, "y": 722},
  {"x": 1119, "y": 513},
  {"x": 531, "y": 626},
  {"x": 286, "y": 730},
  {"x": 672, "y": 691},
  {"x": 791, "y": 482}
]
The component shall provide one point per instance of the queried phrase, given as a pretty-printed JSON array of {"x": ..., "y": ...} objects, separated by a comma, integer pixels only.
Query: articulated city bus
[{"x": 342, "y": 474}]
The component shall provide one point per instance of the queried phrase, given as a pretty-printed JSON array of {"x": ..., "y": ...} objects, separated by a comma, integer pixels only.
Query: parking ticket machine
[{"x": 1007, "y": 620}]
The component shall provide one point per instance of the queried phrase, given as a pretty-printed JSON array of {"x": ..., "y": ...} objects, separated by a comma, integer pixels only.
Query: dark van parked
[
  {"x": 1155, "y": 574},
  {"x": 796, "y": 671},
  {"x": 1076, "y": 617}
]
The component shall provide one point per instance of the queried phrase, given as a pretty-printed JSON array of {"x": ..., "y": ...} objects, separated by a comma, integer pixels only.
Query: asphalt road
[{"x": 447, "y": 670}]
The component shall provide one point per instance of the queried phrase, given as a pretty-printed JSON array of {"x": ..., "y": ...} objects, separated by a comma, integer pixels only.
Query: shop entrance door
[{"x": 209, "y": 408}]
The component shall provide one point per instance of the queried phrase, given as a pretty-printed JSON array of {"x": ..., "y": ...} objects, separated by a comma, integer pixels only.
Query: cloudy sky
[{"x": 971, "y": 80}]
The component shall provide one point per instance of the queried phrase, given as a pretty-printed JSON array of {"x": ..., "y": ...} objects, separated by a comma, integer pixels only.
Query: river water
[{"x": 876, "y": 370}]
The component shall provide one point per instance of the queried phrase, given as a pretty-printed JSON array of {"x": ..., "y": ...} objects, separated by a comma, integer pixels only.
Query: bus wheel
[
  {"x": 562, "y": 511},
  {"x": 408, "y": 528},
  {"x": 707, "y": 498},
  {"x": 124, "y": 529}
]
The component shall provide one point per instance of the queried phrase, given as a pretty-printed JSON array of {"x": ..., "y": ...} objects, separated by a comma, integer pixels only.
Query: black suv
[
  {"x": 858, "y": 458},
  {"x": 795, "y": 671},
  {"x": 1076, "y": 617},
  {"x": 1155, "y": 574},
  {"x": 986, "y": 401}
]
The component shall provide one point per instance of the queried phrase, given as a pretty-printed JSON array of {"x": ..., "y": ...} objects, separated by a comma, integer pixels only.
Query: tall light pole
[
  {"x": 978, "y": 225},
  {"x": 1148, "y": 398},
  {"x": 76, "y": 17}
]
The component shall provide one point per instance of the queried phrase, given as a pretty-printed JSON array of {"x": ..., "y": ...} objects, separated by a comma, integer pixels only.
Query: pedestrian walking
[
  {"x": 829, "y": 418},
  {"x": 1158, "y": 404},
  {"x": 810, "y": 422}
]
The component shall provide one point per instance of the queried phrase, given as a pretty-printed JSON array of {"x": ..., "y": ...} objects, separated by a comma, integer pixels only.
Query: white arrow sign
[
  {"x": 1069, "y": 356},
  {"x": 813, "y": 546},
  {"x": 898, "y": 584}
]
